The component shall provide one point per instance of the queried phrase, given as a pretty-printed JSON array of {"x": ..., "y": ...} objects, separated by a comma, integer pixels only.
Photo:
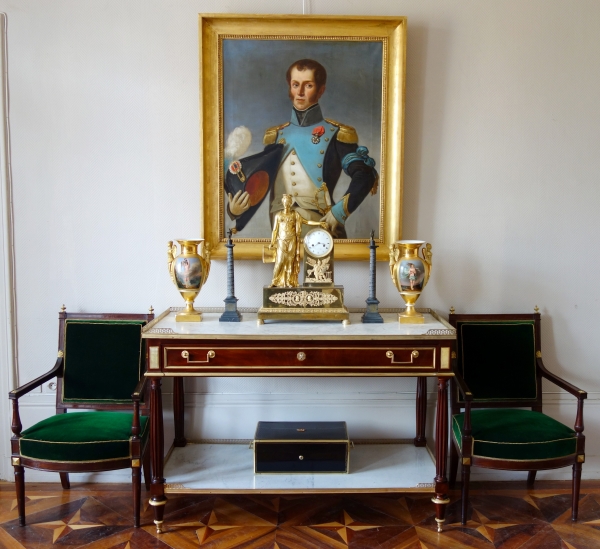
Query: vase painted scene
[
  {"x": 303, "y": 118},
  {"x": 188, "y": 273},
  {"x": 412, "y": 275}
]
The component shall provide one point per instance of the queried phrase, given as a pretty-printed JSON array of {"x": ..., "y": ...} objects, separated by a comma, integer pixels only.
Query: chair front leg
[
  {"x": 531, "y": 478},
  {"x": 466, "y": 477},
  {"x": 575, "y": 490},
  {"x": 453, "y": 463},
  {"x": 136, "y": 481},
  {"x": 20, "y": 490}
]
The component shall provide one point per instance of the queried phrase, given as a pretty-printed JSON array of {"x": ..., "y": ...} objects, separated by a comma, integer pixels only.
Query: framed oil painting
[{"x": 309, "y": 106}]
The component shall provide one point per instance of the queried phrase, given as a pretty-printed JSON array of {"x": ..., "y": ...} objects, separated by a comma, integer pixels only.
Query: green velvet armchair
[
  {"x": 100, "y": 373},
  {"x": 497, "y": 418}
]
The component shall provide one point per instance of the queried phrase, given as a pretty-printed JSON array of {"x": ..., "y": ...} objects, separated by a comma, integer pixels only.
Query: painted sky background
[{"x": 255, "y": 95}]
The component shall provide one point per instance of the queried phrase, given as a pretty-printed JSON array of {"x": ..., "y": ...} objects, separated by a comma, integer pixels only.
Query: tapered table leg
[
  {"x": 157, "y": 489},
  {"x": 420, "y": 439},
  {"x": 441, "y": 498},
  {"x": 178, "y": 402}
]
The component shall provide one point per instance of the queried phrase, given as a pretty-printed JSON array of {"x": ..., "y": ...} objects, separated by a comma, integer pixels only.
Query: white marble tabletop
[{"x": 166, "y": 327}]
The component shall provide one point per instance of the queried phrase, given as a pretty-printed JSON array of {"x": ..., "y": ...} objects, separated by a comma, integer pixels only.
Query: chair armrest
[
  {"x": 16, "y": 425},
  {"x": 24, "y": 389},
  {"x": 139, "y": 389},
  {"x": 575, "y": 391},
  {"x": 463, "y": 387},
  {"x": 136, "y": 397}
]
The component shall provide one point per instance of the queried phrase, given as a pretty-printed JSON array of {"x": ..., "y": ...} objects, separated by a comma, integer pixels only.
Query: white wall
[{"x": 501, "y": 176}]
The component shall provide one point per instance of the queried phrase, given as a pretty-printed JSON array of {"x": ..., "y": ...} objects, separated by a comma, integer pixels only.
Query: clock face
[{"x": 318, "y": 242}]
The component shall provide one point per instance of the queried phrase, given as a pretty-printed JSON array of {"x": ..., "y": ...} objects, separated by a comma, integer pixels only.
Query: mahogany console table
[{"x": 212, "y": 348}]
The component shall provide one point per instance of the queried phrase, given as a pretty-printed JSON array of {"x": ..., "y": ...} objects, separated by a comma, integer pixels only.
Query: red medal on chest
[{"x": 316, "y": 134}]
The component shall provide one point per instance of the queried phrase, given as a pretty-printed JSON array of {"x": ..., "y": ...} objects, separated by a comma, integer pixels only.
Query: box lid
[{"x": 301, "y": 430}]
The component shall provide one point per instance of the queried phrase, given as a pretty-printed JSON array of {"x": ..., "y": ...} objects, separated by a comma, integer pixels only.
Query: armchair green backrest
[
  {"x": 497, "y": 359},
  {"x": 103, "y": 360},
  {"x": 497, "y": 416},
  {"x": 100, "y": 370}
]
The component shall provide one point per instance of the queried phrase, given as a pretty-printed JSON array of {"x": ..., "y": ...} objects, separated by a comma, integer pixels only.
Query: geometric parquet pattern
[{"x": 502, "y": 516}]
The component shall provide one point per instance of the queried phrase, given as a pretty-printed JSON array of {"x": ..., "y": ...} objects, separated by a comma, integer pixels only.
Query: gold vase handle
[
  {"x": 171, "y": 253},
  {"x": 426, "y": 253}
]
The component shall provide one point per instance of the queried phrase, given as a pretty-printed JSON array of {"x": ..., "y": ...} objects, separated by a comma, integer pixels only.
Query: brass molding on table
[
  {"x": 153, "y": 358},
  {"x": 445, "y": 358},
  {"x": 299, "y": 374}
]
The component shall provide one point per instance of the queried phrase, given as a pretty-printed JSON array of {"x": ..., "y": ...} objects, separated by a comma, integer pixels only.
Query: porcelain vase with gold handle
[
  {"x": 189, "y": 270},
  {"x": 410, "y": 274}
]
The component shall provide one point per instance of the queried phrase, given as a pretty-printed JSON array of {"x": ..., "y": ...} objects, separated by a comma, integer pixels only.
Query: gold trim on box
[
  {"x": 390, "y": 31},
  {"x": 345, "y": 442}
]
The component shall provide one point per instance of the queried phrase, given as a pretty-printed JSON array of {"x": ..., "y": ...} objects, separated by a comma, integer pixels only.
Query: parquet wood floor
[{"x": 502, "y": 515}]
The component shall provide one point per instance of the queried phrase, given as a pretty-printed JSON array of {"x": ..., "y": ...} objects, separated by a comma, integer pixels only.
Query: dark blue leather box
[{"x": 301, "y": 447}]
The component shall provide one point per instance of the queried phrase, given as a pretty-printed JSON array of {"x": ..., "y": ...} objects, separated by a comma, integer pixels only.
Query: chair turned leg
[
  {"x": 531, "y": 478},
  {"x": 466, "y": 476},
  {"x": 136, "y": 478},
  {"x": 453, "y": 464},
  {"x": 64, "y": 481},
  {"x": 146, "y": 466},
  {"x": 576, "y": 487},
  {"x": 20, "y": 489}
]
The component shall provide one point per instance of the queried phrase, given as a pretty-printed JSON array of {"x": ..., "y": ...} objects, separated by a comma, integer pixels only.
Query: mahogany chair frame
[
  {"x": 462, "y": 397},
  {"x": 140, "y": 405}
]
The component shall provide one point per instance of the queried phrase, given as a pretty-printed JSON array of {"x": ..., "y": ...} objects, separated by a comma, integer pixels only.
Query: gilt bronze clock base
[{"x": 303, "y": 303}]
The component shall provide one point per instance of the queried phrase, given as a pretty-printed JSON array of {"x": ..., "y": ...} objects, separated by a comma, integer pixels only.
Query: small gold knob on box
[
  {"x": 301, "y": 356},
  {"x": 300, "y": 458}
]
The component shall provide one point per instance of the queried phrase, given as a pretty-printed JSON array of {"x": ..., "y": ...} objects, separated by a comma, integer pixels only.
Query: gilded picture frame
[{"x": 243, "y": 61}]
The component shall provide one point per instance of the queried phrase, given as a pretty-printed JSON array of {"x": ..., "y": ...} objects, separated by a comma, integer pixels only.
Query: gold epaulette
[
  {"x": 345, "y": 134},
  {"x": 271, "y": 134}
]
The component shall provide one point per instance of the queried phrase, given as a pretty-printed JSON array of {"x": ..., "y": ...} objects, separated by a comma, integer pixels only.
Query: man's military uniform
[{"x": 315, "y": 151}]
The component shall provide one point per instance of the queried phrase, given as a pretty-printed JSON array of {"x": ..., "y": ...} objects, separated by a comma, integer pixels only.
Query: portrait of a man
[{"x": 300, "y": 150}]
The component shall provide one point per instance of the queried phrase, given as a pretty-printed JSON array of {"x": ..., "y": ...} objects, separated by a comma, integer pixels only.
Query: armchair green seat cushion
[
  {"x": 513, "y": 434},
  {"x": 82, "y": 437}
]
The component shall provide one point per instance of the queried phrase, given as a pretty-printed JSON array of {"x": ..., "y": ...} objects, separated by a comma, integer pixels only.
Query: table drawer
[{"x": 265, "y": 358}]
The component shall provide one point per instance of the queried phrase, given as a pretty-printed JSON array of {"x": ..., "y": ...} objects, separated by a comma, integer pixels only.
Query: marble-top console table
[{"x": 213, "y": 348}]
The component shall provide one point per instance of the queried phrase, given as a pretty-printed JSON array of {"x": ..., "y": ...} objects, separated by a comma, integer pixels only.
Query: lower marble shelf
[{"x": 229, "y": 468}]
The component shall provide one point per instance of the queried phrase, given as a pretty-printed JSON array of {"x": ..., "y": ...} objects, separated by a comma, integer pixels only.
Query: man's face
[{"x": 303, "y": 89}]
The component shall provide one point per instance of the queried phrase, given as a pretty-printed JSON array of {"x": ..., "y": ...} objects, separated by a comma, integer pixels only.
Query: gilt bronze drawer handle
[
  {"x": 209, "y": 355},
  {"x": 413, "y": 355},
  {"x": 301, "y": 356}
]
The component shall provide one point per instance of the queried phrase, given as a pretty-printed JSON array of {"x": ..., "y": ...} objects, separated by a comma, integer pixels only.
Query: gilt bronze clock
[
  {"x": 318, "y": 259},
  {"x": 317, "y": 298}
]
